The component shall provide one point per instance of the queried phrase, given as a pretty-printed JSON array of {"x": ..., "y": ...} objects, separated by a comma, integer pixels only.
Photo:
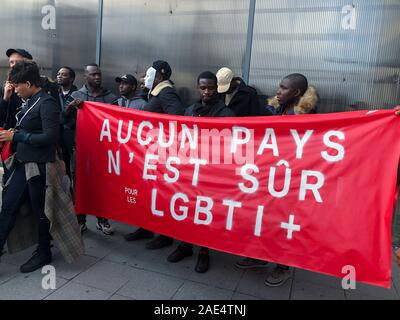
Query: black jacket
[
  {"x": 68, "y": 119},
  {"x": 245, "y": 102},
  {"x": 38, "y": 129},
  {"x": 218, "y": 109},
  {"x": 8, "y": 109},
  {"x": 165, "y": 101}
]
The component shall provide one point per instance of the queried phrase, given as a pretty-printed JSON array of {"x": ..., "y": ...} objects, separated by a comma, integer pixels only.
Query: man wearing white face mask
[{"x": 163, "y": 98}]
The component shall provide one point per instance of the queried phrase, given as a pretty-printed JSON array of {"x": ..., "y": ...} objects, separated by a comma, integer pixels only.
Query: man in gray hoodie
[{"x": 92, "y": 90}]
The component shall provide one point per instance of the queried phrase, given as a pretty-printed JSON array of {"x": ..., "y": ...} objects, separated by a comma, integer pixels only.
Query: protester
[
  {"x": 36, "y": 173},
  {"x": 128, "y": 91},
  {"x": 11, "y": 103},
  {"x": 65, "y": 80},
  {"x": 92, "y": 90},
  {"x": 294, "y": 97},
  {"x": 143, "y": 91},
  {"x": 239, "y": 97},
  {"x": 209, "y": 105},
  {"x": 163, "y": 98}
]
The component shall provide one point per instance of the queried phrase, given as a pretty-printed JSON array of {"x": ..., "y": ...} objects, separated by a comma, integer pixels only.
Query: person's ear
[
  {"x": 159, "y": 77},
  {"x": 298, "y": 93},
  {"x": 28, "y": 84}
]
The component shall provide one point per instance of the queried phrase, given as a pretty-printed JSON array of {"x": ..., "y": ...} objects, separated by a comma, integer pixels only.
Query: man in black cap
[
  {"x": 163, "y": 98},
  {"x": 11, "y": 103},
  {"x": 15, "y": 55},
  {"x": 127, "y": 88}
]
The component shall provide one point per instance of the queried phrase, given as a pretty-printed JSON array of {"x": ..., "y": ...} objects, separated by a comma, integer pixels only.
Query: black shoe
[
  {"x": 38, "y": 260},
  {"x": 82, "y": 226},
  {"x": 159, "y": 242},
  {"x": 203, "y": 262},
  {"x": 179, "y": 254},
  {"x": 139, "y": 234}
]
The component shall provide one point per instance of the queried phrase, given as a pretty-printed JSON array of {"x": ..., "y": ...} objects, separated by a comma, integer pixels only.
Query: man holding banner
[
  {"x": 293, "y": 96},
  {"x": 287, "y": 195},
  {"x": 163, "y": 98},
  {"x": 209, "y": 106}
]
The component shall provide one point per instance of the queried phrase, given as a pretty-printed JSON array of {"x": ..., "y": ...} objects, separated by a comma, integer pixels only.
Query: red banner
[{"x": 310, "y": 191}]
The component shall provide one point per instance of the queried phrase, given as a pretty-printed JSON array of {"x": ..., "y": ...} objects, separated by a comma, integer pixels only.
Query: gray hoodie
[{"x": 106, "y": 96}]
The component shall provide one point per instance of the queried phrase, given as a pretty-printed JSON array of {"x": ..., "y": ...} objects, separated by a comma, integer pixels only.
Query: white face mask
[{"x": 149, "y": 78}]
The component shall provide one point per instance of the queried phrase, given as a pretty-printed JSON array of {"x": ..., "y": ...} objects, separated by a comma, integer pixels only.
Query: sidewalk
[{"x": 115, "y": 269}]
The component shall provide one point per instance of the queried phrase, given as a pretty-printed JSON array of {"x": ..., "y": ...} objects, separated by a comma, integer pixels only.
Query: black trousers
[{"x": 14, "y": 195}]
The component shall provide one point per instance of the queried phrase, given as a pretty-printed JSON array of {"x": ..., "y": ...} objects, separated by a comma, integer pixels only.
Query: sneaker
[
  {"x": 278, "y": 277},
  {"x": 37, "y": 261},
  {"x": 249, "y": 263},
  {"x": 203, "y": 262},
  {"x": 180, "y": 253},
  {"x": 104, "y": 226},
  {"x": 159, "y": 242},
  {"x": 139, "y": 234},
  {"x": 83, "y": 227}
]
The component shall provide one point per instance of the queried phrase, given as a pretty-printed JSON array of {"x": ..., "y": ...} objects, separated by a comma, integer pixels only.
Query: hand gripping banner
[{"x": 310, "y": 191}]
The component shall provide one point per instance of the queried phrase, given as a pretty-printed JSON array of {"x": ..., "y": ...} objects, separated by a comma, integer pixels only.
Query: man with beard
[{"x": 92, "y": 90}]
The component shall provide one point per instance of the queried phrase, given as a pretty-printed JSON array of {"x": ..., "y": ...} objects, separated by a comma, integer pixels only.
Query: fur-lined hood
[{"x": 306, "y": 104}]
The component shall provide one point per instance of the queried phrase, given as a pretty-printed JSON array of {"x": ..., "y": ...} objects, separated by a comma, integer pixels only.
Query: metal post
[
  {"x": 99, "y": 26},
  {"x": 249, "y": 42}
]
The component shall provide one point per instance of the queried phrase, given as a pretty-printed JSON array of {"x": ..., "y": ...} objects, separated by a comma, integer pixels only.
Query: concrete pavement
[{"x": 118, "y": 270}]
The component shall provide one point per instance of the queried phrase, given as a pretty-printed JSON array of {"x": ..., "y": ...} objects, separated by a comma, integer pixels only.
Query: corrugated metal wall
[
  {"x": 350, "y": 50},
  {"x": 193, "y": 36},
  {"x": 72, "y": 42}
]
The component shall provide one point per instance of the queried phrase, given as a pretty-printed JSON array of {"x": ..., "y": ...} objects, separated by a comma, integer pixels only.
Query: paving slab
[
  {"x": 76, "y": 291},
  {"x": 27, "y": 287},
  {"x": 69, "y": 271},
  {"x": 252, "y": 283},
  {"x": 197, "y": 291},
  {"x": 105, "y": 275},
  {"x": 222, "y": 273},
  {"x": 150, "y": 285},
  {"x": 304, "y": 290},
  {"x": 7, "y": 272},
  {"x": 368, "y": 292}
]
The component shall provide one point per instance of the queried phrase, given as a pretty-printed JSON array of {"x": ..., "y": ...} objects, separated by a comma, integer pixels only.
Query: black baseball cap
[
  {"x": 162, "y": 67},
  {"x": 22, "y": 52},
  {"x": 127, "y": 78}
]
